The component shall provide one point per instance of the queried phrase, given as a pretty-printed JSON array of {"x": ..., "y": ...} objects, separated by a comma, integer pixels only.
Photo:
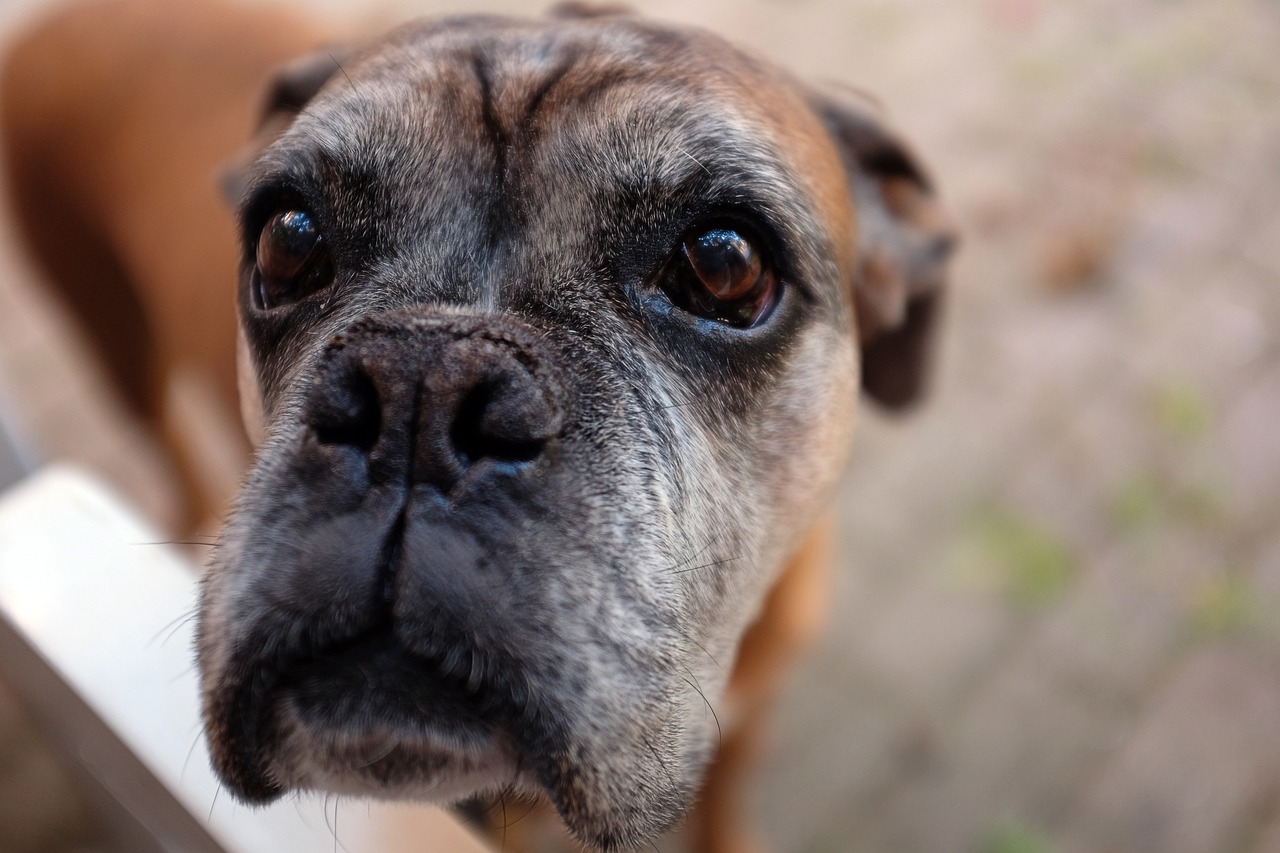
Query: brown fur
[{"x": 117, "y": 121}]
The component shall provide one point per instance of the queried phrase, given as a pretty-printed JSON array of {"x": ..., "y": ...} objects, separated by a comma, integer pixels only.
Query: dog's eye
[
  {"x": 292, "y": 260},
  {"x": 724, "y": 277}
]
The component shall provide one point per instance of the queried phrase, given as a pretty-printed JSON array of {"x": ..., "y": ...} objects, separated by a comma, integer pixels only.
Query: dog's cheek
[
  {"x": 797, "y": 457},
  {"x": 212, "y": 626},
  {"x": 250, "y": 392},
  {"x": 772, "y": 482},
  {"x": 810, "y": 430}
]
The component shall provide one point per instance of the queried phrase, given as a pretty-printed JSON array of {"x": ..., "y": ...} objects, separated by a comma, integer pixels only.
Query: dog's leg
[{"x": 792, "y": 616}]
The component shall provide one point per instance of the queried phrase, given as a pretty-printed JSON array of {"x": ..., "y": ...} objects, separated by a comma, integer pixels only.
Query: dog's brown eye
[
  {"x": 725, "y": 278},
  {"x": 292, "y": 260}
]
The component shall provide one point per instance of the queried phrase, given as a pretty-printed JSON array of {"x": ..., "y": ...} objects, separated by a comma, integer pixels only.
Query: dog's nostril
[
  {"x": 500, "y": 422},
  {"x": 348, "y": 413}
]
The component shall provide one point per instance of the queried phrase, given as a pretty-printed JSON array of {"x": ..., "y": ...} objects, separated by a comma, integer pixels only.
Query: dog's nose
[{"x": 433, "y": 398}]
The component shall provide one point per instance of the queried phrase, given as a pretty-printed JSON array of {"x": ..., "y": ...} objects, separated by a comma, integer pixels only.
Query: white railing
[{"x": 95, "y": 635}]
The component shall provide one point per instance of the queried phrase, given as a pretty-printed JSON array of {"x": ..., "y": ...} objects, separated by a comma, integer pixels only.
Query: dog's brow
[
  {"x": 290, "y": 179},
  {"x": 540, "y": 94}
]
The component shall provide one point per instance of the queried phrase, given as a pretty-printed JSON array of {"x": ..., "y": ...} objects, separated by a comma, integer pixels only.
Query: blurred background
[{"x": 1056, "y": 620}]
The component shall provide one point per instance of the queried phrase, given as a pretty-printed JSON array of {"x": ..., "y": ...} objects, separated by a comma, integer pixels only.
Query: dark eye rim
[
  {"x": 318, "y": 273},
  {"x": 278, "y": 194},
  {"x": 678, "y": 269}
]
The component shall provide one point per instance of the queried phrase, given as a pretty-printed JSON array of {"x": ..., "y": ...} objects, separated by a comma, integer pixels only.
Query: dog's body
[
  {"x": 118, "y": 119},
  {"x": 548, "y": 344}
]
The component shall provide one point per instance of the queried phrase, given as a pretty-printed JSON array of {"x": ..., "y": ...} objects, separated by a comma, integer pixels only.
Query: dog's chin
[
  {"x": 370, "y": 720},
  {"x": 389, "y": 762},
  {"x": 366, "y": 717}
]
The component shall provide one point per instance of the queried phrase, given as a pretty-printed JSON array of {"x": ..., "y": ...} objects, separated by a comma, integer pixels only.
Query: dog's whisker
[
  {"x": 702, "y": 649},
  {"x": 190, "y": 752},
  {"x": 181, "y": 675},
  {"x": 196, "y": 542},
  {"x": 712, "y": 564},
  {"x": 710, "y": 707},
  {"x": 502, "y": 804},
  {"x": 215, "y": 801},
  {"x": 689, "y": 559},
  {"x": 340, "y": 68},
  {"x": 176, "y": 628},
  {"x": 170, "y": 627},
  {"x": 530, "y": 807},
  {"x": 696, "y": 161},
  {"x": 390, "y": 749},
  {"x": 332, "y": 827},
  {"x": 337, "y": 841},
  {"x": 510, "y": 788},
  {"x": 671, "y": 779}
]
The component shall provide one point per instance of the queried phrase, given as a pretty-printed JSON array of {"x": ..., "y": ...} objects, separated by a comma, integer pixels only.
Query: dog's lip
[
  {"x": 435, "y": 701},
  {"x": 455, "y": 677}
]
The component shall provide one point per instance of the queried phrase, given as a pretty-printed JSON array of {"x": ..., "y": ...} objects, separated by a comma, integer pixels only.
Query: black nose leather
[{"x": 433, "y": 398}]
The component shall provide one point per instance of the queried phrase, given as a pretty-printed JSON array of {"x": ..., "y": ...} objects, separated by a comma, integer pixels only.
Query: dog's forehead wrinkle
[
  {"x": 618, "y": 41},
  {"x": 513, "y": 72}
]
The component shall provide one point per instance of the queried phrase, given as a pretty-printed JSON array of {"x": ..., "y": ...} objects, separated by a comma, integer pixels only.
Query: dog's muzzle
[
  {"x": 442, "y": 402},
  {"x": 383, "y": 585},
  {"x": 440, "y": 582}
]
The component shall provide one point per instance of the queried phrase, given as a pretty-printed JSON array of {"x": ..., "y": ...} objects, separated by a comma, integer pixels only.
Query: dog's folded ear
[
  {"x": 905, "y": 239},
  {"x": 288, "y": 90},
  {"x": 298, "y": 81}
]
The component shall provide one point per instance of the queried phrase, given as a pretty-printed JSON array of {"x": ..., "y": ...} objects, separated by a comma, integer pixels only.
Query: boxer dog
[{"x": 550, "y": 340}]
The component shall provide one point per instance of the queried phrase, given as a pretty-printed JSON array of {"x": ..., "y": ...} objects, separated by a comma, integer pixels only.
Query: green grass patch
[
  {"x": 1226, "y": 606},
  {"x": 1012, "y": 836},
  {"x": 1147, "y": 504},
  {"x": 1181, "y": 411},
  {"x": 1139, "y": 504},
  {"x": 1029, "y": 562}
]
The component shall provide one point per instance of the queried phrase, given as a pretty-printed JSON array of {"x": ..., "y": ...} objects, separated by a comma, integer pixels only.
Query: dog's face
[{"x": 551, "y": 329}]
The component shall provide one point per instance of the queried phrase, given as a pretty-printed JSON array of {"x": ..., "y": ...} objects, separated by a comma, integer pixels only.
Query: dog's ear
[
  {"x": 297, "y": 82},
  {"x": 904, "y": 242},
  {"x": 289, "y": 89}
]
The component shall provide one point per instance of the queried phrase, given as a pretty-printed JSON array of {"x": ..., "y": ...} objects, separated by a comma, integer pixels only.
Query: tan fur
[
  {"x": 117, "y": 119},
  {"x": 792, "y": 617}
]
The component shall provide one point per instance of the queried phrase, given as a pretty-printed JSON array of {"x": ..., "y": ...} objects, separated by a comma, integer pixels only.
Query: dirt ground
[{"x": 1056, "y": 625}]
